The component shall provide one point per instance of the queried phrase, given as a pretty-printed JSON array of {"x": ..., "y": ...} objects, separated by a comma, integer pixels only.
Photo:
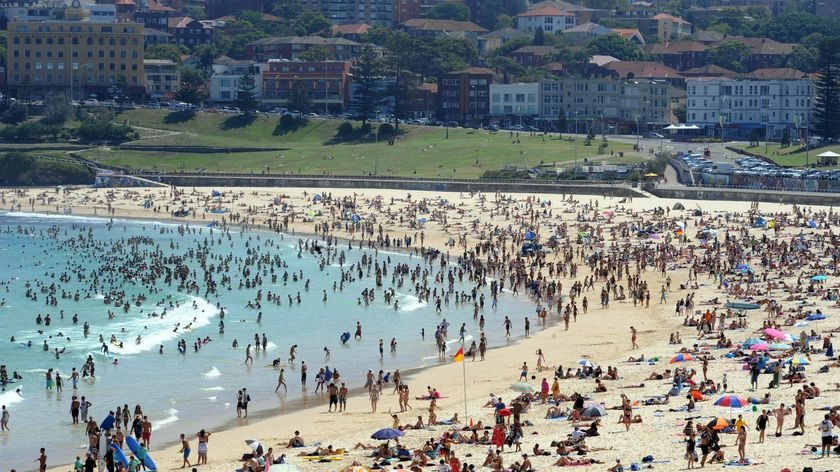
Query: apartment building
[
  {"x": 514, "y": 103},
  {"x": 548, "y": 17},
  {"x": 162, "y": 78},
  {"x": 372, "y": 12},
  {"x": 464, "y": 96},
  {"x": 224, "y": 83},
  {"x": 767, "y": 103},
  {"x": 80, "y": 57},
  {"x": 327, "y": 83},
  {"x": 624, "y": 106},
  {"x": 291, "y": 47}
]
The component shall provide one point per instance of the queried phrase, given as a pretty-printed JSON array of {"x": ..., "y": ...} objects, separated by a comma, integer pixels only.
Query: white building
[
  {"x": 513, "y": 103},
  {"x": 162, "y": 78},
  {"x": 225, "y": 79},
  {"x": 780, "y": 107},
  {"x": 101, "y": 13},
  {"x": 547, "y": 17}
]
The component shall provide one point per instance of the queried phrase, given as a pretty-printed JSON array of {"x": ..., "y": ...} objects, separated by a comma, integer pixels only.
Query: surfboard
[
  {"x": 119, "y": 455},
  {"x": 135, "y": 446}
]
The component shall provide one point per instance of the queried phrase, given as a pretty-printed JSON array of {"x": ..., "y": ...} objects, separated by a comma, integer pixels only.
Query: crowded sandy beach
[{"x": 662, "y": 334}]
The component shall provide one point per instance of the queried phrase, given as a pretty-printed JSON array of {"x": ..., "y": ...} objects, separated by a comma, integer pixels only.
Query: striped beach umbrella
[
  {"x": 719, "y": 424},
  {"x": 681, "y": 357},
  {"x": 731, "y": 401}
]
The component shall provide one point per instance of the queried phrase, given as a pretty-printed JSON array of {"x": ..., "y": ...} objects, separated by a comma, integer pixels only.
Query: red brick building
[{"x": 327, "y": 83}]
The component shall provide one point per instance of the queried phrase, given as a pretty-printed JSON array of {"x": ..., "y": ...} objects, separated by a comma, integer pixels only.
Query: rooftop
[
  {"x": 442, "y": 25},
  {"x": 545, "y": 10},
  {"x": 642, "y": 70}
]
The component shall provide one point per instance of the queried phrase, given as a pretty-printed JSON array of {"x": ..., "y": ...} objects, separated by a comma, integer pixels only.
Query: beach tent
[
  {"x": 215, "y": 193},
  {"x": 678, "y": 206},
  {"x": 593, "y": 411}
]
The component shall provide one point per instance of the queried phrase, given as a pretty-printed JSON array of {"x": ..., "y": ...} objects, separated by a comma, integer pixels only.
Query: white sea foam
[
  {"x": 212, "y": 373},
  {"x": 410, "y": 303},
  {"x": 270, "y": 346},
  {"x": 172, "y": 416},
  {"x": 10, "y": 397},
  {"x": 212, "y": 399},
  {"x": 217, "y": 388}
]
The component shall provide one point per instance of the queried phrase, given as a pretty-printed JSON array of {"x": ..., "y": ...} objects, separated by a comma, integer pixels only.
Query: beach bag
[
  {"x": 647, "y": 459},
  {"x": 807, "y": 469}
]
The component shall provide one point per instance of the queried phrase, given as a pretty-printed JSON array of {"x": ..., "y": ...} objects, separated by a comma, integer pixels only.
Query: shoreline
[{"x": 601, "y": 335}]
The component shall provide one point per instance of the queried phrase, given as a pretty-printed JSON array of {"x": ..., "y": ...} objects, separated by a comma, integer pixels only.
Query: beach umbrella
[
  {"x": 774, "y": 333},
  {"x": 585, "y": 363},
  {"x": 252, "y": 443},
  {"x": 819, "y": 278},
  {"x": 593, "y": 411},
  {"x": 801, "y": 324},
  {"x": 215, "y": 193},
  {"x": 681, "y": 357},
  {"x": 422, "y": 220},
  {"x": 504, "y": 412},
  {"x": 317, "y": 197},
  {"x": 749, "y": 342},
  {"x": 356, "y": 218},
  {"x": 815, "y": 317},
  {"x": 608, "y": 213},
  {"x": 798, "y": 360},
  {"x": 719, "y": 424},
  {"x": 731, "y": 401},
  {"x": 387, "y": 433},
  {"x": 779, "y": 346},
  {"x": 523, "y": 387},
  {"x": 530, "y": 236},
  {"x": 760, "y": 347}
]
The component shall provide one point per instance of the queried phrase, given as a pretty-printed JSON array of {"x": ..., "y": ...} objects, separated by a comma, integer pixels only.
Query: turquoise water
[{"x": 182, "y": 393}]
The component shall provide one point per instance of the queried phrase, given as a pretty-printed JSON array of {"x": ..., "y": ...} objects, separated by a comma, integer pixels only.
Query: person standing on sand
[
  {"x": 185, "y": 450},
  {"x": 741, "y": 442},
  {"x": 374, "y": 398},
  {"x": 203, "y": 438},
  {"x": 780, "y": 412},
  {"x": 147, "y": 432},
  {"x": 826, "y": 436},
  {"x": 633, "y": 338},
  {"x": 342, "y": 397},
  {"x": 42, "y": 460}
]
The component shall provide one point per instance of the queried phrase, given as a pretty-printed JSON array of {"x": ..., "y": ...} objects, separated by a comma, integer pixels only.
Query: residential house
[
  {"x": 605, "y": 104},
  {"x": 587, "y": 30},
  {"x": 162, "y": 78},
  {"x": 679, "y": 55},
  {"x": 437, "y": 28},
  {"x": 776, "y": 108},
  {"x": 155, "y": 17},
  {"x": 353, "y": 32},
  {"x": 190, "y": 32},
  {"x": 664, "y": 27},
  {"x": 645, "y": 70},
  {"x": 765, "y": 53},
  {"x": 549, "y": 18},
  {"x": 710, "y": 70},
  {"x": 514, "y": 103},
  {"x": 291, "y": 47},
  {"x": 582, "y": 14},
  {"x": 227, "y": 72},
  {"x": 423, "y": 103},
  {"x": 488, "y": 42},
  {"x": 534, "y": 56},
  {"x": 372, "y": 12},
  {"x": 464, "y": 95},
  {"x": 631, "y": 34},
  {"x": 327, "y": 83}
]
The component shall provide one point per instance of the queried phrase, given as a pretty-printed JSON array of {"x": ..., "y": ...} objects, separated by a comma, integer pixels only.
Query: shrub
[
  {"x": 345, "y": 130},
  {"x": 386, "y": 129}
]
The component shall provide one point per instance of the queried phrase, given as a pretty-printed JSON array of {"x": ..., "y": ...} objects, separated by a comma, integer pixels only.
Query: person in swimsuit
[
  {"x": 203, "y": 438},
  {"x": 42, "y": 460},
  {"x": 185, "y": 450}
]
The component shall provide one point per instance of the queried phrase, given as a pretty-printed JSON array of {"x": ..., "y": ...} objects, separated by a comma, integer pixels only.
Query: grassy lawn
[
  {"x": 420, "y": 151},
  {"x": 787, "y": 156}
]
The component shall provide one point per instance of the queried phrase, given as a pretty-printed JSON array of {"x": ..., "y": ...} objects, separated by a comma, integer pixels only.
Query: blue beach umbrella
[
  {"x": 356, "y": 218},
  {"x": 749, "y": 342},
  {"x": 819, "y": 278},
  {"x": 422, "y": 220},
  {"x": 530, "y": 235},
  {"x": 815, "y": 317},
  {"x": 387, "y": 433}
]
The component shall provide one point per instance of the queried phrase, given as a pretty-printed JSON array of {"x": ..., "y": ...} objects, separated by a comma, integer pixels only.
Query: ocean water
[{"x": 182, "y": 393}]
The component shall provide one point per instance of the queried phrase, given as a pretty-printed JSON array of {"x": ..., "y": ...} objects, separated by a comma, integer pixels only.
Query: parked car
[{"x": 656, "y": 135}]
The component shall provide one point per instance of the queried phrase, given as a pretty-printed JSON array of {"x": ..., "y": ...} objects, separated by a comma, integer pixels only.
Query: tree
[
  {"x": 680, "y": 113},
  {"x": 539, "y": 37},
  {"x": 399, "y": 55},
  {"x": 489, "y": 10},
  {"x": 13, "y": 165},
  {"x": 299, "y": 98},
  {"x": 189, "y": 92},
  {"x": 366, "y": 76},
  {"x": 57, "y": 109},
  {"x": 316, "y": 52},
  {"x": 449, "y": 11},
  {"x": 616, "y": 46},
  {"x": 16, "y": 113},
  {"x": 730, "y": 54},
  {"x": 828, "y": 89},
  {"x": 164, "y": 51},
  {"x": 311, "y": 22},
  {"x": 246, "y": 94},
  {"x": 503, "y": 21},
  {"x": 290, "y": 9}
]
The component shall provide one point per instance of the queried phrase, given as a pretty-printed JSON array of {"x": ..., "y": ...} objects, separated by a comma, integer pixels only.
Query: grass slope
[{"x": 420, "y": 151}]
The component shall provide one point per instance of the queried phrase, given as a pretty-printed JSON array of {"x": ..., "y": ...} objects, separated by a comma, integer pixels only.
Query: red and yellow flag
[{"x": 459, "y": 356}]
